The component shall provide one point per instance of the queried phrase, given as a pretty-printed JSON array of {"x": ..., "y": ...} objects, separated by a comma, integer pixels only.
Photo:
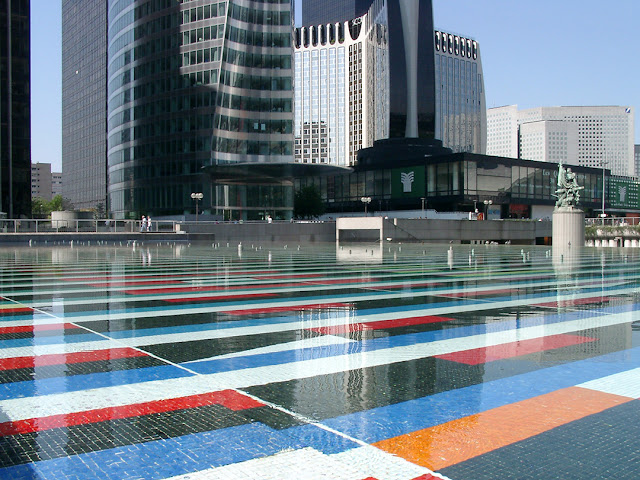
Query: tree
[
  {"x": 60, "y": 203},
  {"x": 39, "y": 208},
  {"x": 308, "y": 203}
]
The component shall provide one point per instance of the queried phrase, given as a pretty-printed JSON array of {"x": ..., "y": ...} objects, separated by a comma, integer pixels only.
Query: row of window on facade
[{"x": 455, "y": 45}]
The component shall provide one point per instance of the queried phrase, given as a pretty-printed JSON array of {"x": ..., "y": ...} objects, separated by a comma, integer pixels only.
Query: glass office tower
[
  {"x": 194, "y": 84},
  {"x": 84, "y": 103},
  {"x": 316, "y": 12},
  {"x": 15, "y": 108}
]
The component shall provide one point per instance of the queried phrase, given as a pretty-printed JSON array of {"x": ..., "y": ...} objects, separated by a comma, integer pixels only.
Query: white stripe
[
  {"x": 302, "y": 288},
  {"x": 314, "y": 342},
  {"x": 310, "y": 464},
  {"x": 295, "y": 324},
  {"x": 625, "y": 384},
  {"x": 64, "y": 403}
]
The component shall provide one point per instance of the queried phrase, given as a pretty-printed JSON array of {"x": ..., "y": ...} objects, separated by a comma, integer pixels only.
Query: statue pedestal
[{"x": 568, "y": 228}]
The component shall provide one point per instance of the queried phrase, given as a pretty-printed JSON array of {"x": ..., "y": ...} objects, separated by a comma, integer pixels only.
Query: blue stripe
[
  {"x": 166, "y": 458},
  {"x": 49, "y": 386},
  {"x": 387, "y": 422},
  {"x": 301, "y": 354}
]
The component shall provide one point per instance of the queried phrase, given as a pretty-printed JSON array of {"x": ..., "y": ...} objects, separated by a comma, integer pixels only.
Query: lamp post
[
  {"x": 486, "y": 208},
  {"x": 197, "y": 197},
  {"x": 603, "y": 215},
  {"x": 366, "y": 201}
]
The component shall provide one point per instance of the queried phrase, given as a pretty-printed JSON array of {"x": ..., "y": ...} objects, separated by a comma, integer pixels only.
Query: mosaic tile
[{"x": 178, "y": 361}]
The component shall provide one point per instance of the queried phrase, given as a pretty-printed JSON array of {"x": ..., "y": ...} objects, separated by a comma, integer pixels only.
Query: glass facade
[
  {"x": 411, "y": 69},
  {"x": 84, "y": 102},
  {"x": 332, "y": 11},
  {"x": 15, "y": 109},
  {"x": 191, "y": 84},
  {"x": 461, "y": 118},
  {"x": 453, "y": 183}
]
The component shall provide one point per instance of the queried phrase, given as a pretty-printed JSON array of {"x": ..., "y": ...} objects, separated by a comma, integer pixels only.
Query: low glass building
[{"x": 400, "y": 177}]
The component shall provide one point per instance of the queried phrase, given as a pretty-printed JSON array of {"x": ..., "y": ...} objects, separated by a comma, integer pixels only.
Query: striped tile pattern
[{"x": 396, "y": 362}]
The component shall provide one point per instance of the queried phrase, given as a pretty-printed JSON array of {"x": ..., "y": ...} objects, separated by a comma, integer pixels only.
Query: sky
[{"x": 535, "y": 53}]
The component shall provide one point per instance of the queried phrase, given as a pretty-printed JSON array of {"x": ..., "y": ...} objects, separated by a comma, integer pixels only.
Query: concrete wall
[
  {"x": 445, "y": 231},
  {"x": 399, "y": 230}
]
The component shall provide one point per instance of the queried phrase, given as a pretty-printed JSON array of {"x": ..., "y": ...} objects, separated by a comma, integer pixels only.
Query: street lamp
[
  {"x": 197, "y": 197},
  {"x": 486, "y": 208},
  {"x": 366, "y": 201},
  {"x": 603, "y": 215}
]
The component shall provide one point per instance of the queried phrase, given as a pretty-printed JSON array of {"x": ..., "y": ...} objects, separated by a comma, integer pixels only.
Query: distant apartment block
[
  {"x": 56, "y": 184},
  {"x": 636, "y": 155},
  {"x": 590, "y": 136},
  {"x": 41, "y": 181}
]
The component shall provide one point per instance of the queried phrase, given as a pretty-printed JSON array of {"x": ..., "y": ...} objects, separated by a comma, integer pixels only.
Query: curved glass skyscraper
[{"x": 193, "y": 84}]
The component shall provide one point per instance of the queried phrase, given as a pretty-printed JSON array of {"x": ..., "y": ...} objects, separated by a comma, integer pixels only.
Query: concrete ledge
[{"x": 361, "y": 229}]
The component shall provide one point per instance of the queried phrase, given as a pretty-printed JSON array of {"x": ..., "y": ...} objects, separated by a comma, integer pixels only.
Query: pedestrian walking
[{"x": 143, "y": 224}]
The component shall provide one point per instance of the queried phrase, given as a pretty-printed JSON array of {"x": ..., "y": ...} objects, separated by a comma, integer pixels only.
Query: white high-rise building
[
  {"x": 342, "y": 91},
  {"x": 549, "y": 141},
  {"x": 502, "y": 131},
  {"x": 602, "y": 135}
]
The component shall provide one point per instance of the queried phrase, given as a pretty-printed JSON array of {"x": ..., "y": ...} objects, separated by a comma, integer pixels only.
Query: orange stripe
[{"x": 459, "y": 440}]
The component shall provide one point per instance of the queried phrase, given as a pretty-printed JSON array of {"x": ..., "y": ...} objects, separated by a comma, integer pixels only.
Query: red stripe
[
  {"x": 286, "y": 277},
  {"x": 227, "y": 398},
  {"x": 292, "y": 308},
  {"x": 126, "y": 283},
  {"x": 219, "y": 297},
  {"x": 37, "y": 328},
  {"x": 478, "y": 356},
  {"x": 15, "y": 310},
  {"x": 395, "y": 323},
  {"x": 481, "y": 293},
  {"x": 344, "y": 280},
  {"x": 64, "y": 358},
  {"x": 571, "y": 302}
]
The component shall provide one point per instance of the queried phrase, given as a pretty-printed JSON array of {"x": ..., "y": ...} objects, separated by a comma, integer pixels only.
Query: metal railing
[
  {"x": 33, "y": 225},
  {"x": 613, "y": 221}
]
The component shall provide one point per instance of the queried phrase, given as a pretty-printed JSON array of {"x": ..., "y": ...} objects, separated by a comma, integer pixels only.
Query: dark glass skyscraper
[
  {"x": 315, "y": 12},
  {"x": 193, "y": 84},
  {"x": 15, "y": 109},
  {"x": 84, "y": 102}
]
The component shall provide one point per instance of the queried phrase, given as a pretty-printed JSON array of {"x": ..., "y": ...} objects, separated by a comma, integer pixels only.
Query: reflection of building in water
[{"x": 355, "y": 253}]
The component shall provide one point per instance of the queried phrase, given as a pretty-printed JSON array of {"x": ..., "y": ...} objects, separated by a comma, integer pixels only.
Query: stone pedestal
[
  {"x": 568, "y": 227},
  {"x": 568, "y": 236}
]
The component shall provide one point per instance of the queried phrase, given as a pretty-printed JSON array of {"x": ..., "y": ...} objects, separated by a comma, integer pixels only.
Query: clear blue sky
[{"x": 534, "y": 53}]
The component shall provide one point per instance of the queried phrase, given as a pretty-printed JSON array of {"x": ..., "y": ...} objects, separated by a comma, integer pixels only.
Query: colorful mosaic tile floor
[{"x": 398, "y": 362}]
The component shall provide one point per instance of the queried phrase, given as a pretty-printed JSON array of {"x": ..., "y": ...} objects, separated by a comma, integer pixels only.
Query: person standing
[
  {"x": 148, "y": 224},
  {"x": 143, "y": 224}
]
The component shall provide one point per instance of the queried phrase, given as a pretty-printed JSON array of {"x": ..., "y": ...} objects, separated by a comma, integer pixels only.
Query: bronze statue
[{"x": 568, "y": 191}]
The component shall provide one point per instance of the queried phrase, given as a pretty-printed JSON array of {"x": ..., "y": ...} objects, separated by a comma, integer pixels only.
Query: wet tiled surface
[{"x": 319, "y": 362}]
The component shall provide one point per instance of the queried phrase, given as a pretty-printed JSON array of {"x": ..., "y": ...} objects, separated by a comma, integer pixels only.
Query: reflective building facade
[
  {"x": 84, "y": 102},
  {"x": 193, "y": 84},
  {"x": 343, "y": 90},
  {"x": 15, "y": 109},
  {"x": 461, "y": 116},
  {"x": 332, "y": 11}
]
